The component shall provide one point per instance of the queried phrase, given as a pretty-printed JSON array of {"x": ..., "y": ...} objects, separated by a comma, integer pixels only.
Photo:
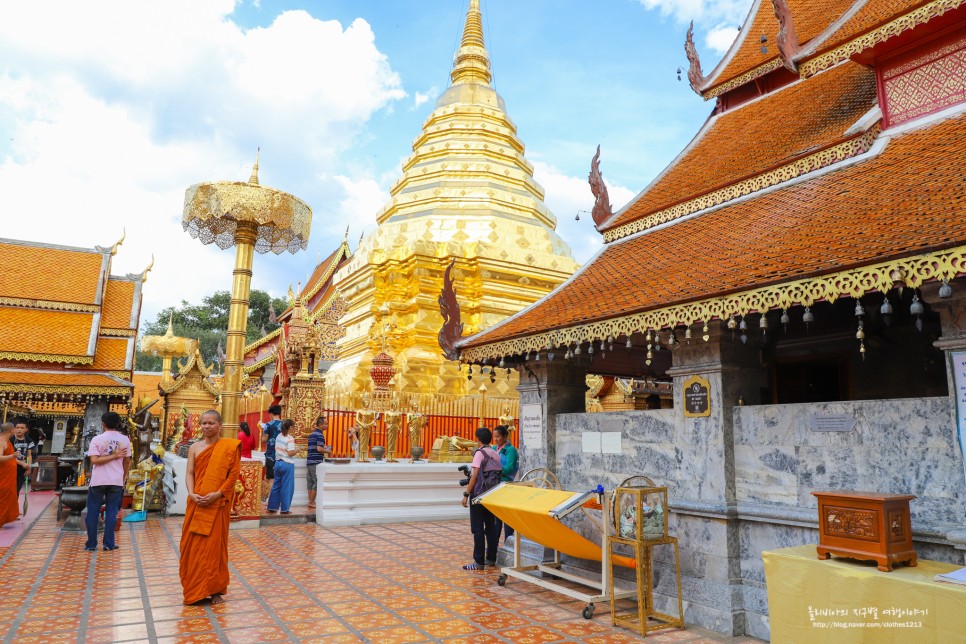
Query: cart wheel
[
  {"x": 588, "y": 611},
  {"x": 501, "y": 580}
]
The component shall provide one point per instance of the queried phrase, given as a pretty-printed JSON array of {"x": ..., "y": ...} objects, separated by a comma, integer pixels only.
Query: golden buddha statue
[
  {"x": 365, "y": 421},
  {"x": 506, "y": 417},
  {"x": 393, "y": 420},
  {"x": 415, "y": 420}
]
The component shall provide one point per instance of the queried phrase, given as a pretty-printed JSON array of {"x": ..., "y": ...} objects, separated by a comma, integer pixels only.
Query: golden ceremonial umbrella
[{"x": 250, "y": 217}]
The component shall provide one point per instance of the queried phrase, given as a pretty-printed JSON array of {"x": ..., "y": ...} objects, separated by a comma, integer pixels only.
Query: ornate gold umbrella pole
[{"x": 251, "y": 218}]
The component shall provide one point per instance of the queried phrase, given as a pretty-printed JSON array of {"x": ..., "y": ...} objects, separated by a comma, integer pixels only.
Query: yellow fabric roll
[
  {"x": 527, "y": 511},
  {"x": 843, "y": 600}
]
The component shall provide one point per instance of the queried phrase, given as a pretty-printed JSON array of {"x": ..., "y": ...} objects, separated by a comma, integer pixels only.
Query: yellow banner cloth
[
  {"x": 843, "y": 600},
  {"x": 527, "y": 511}
]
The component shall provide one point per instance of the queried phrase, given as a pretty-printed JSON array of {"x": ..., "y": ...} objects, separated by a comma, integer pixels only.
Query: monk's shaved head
[{"x": 212, "y": 412}]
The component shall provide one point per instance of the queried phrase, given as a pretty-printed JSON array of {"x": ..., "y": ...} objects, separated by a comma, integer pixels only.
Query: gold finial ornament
[
  {"x": 253, "y": 179},
  {"x": 118, "y": 243},
  {"x": 144, "y": 273},
  {"x": 167, "y": 346},
  {"x": 251, "y": 217},
  {"x": 472, "y": 64}
]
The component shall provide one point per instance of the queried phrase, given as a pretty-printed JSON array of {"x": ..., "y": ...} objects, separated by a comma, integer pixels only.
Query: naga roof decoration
[
  {"x": 818, "y": 237},
  {"x": 755, "y": 52}
]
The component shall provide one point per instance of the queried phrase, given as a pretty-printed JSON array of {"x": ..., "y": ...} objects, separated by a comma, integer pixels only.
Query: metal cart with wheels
[{"x": 601, "y": 589}]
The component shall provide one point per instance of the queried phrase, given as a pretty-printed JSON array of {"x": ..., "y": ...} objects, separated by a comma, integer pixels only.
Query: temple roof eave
[{"x": 814, "y": 251}]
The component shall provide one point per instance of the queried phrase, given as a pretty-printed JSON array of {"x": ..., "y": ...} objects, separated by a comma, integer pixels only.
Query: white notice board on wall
[
  {"x": 531, "y": 426},
  {"x": 959, "y": 381}
]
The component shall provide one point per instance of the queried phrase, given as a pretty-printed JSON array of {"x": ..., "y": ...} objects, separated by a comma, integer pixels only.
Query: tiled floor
[{"x": 383, "y": 584}]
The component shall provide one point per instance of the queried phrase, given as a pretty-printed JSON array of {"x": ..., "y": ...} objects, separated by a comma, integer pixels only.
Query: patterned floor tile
[{"x": 299, "y": 583}]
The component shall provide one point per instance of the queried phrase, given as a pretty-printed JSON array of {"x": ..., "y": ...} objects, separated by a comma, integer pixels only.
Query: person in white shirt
[{"x": 283, "y": 485}]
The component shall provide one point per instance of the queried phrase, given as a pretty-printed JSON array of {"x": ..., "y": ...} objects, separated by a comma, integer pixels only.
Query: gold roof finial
[
  {"x": 472, "y": 64},
  {"x": 254, "y": 177},
  {"x": 119, "y": 242},
  {"x": 144, "y": 273},
  {"x": 345, "y": 238},
  {"x": 170, "y": 332}
]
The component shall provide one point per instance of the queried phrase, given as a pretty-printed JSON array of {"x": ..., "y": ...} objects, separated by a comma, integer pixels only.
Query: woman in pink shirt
[{"x": 246, "y": 438}]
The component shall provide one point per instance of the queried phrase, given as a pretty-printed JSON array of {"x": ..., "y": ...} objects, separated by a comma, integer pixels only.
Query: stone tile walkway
[{"x": 383, "y": 584}]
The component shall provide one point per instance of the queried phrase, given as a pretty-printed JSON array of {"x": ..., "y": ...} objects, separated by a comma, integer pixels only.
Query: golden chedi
[{"x": 467, "y": 193}]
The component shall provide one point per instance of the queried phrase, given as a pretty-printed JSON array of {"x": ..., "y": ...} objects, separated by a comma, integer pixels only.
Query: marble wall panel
[{"x": 901, "y": 446}]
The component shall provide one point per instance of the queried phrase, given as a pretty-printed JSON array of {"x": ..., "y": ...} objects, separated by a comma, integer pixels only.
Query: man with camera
[{"x": 483, "y": 477}]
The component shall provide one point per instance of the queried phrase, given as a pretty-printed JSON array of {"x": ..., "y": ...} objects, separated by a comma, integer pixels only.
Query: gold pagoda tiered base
[{"x": 646, "y": 618}]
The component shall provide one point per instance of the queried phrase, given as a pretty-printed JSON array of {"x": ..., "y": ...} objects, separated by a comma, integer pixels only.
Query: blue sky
[{"x": 109, "y": 112}]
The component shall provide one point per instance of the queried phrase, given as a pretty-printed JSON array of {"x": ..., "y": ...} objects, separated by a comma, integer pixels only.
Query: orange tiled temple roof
[
  {"x": 111, "y": 354},
  {"x": 779, "y": 127},
  {"x": 52, "y": 273},
  {"x": 59, "y": 379},
  {"x": 811, "y": 18},
  {"x": 907, "y": 200},
  {"x": 145, "y": 384},
  {"x": 870, "y": 15},
  {"x": 118, "y": 304},
  {"x": 41, "y": 332}
]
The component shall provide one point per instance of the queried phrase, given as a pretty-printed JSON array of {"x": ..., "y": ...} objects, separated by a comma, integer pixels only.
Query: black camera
[{"x": 465, "y": 469}]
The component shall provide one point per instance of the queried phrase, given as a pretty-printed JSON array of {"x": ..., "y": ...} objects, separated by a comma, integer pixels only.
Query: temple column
[
  {"x": 92, "y": 421},
  {"x": 952, "y": 316},
  {"x": 703, "y": 499},
  {"x": 546, "y": 389}
]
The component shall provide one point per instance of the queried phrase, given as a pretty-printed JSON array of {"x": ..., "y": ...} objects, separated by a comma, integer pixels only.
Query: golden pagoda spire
[
  {"x": 254, "y": 177},
  {"x": 472, "y": 64}
]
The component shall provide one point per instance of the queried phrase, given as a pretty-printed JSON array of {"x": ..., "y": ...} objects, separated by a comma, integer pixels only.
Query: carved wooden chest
[{"x": 866, "y": 525}]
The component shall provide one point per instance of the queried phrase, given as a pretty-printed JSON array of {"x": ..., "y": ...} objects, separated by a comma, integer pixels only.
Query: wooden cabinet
[
  {"x": 866, "y": 525},
  {"x": 44, "y": 475}
]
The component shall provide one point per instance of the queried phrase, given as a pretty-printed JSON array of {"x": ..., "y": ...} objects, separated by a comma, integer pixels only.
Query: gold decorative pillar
[
  {"x": 252, "y": 218},
  {"x": 241, "y": 288}
]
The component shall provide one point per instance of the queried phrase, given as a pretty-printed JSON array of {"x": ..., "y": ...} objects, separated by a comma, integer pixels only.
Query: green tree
[{"x": 208, "y": 323}]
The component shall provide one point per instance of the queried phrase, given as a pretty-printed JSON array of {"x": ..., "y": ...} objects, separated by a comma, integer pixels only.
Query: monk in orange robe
[
  {"x": 213, "y": 467},
  {"x": 9, "y": 508}
]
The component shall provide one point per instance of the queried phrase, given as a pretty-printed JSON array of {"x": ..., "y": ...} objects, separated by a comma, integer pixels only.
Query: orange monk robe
[
  {"x": 204, "y": 536},
  {"x": 9, "y": 508}
]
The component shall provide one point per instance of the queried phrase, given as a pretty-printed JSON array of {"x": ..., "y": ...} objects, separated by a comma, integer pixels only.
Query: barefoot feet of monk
[{"x": 217, "y": 599}]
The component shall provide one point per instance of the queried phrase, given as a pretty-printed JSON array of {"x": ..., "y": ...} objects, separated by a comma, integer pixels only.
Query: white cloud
[
  {"x": 109, "y": 112},
  {"x": 720, "y": 38},
  {"x": 725, "y": 15},
  {"x": 732, "y": 11},
  {"x": 422, "y": 97},
  {"x": 565, "y": 197}
]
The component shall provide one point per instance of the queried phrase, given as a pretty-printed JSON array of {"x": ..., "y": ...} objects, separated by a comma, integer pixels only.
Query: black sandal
[{"x": 474, "y": 566}]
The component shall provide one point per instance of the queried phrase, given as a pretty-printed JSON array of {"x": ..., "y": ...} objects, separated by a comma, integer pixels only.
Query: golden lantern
[{"x": 250, "y": 217}]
